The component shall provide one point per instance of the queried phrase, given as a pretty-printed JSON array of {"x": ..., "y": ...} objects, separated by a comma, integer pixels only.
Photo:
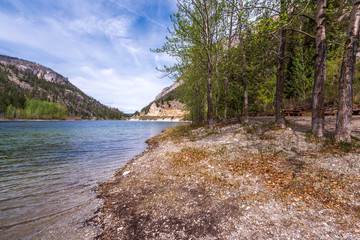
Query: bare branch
[
  {"x": 302, "y": 32},
  {"x": 313, "y": 37}
]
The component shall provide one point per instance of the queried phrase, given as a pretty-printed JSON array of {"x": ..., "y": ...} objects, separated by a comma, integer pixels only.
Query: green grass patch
[
  {"x": 311, "y": 138},
  {"x": 330, "y": 145}
]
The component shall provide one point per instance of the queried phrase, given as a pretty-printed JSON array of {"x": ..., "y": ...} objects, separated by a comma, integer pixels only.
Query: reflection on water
[{"x": 48, "y": 171}]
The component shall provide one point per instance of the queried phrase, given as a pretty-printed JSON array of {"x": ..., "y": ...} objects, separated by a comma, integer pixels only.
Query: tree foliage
[{"x": 220, "y": 44}]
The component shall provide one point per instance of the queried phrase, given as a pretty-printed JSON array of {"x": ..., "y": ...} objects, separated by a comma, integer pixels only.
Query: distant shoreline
[
  {"x": 42, "y": 120},
  {"x": 57, "y": 120},
  {"x": 159, "y": 120},
  {"x": 73, "y": 120}
]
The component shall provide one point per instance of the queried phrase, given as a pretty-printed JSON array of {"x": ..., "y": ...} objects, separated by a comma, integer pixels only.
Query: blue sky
[{"x": 101, "y": 46}]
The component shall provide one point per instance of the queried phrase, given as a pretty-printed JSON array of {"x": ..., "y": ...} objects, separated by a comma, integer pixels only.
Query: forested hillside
[
  {"x": 31, "y": 91},
  {"x": 262, "y": 57}
]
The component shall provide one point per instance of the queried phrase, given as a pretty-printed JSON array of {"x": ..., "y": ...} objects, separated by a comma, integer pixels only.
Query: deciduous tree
[
  {"x": 343, "y": 120},
  {"x": 318, "y": 117}
]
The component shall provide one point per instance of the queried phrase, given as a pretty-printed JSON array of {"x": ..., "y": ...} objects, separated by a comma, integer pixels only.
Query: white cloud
[
  {"x": 162, "y": 59},
  {"x": 128, "y": 93},
  {"x": 102, "y": 47},
  {"x": 112, "y": 27}
]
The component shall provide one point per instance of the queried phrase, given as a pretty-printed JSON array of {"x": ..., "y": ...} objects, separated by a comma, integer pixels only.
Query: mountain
[
  {"x": 166, "y": 91},
  {"x": 165, "y": 107},
  {"x": 30, "y": 90}
]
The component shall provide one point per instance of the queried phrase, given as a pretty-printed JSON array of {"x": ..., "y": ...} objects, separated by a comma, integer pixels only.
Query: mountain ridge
[
  {"x": 167, "y": 90},
  {"x": 36, "y": 69},
  {"x": 22, "y": 82}
]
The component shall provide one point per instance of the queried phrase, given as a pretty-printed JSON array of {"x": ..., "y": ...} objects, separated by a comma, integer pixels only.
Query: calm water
[{"x": 48, "y": 171}]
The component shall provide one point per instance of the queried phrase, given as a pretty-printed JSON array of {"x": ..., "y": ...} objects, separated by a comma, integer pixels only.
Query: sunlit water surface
[{"x": 48, "y": 171}]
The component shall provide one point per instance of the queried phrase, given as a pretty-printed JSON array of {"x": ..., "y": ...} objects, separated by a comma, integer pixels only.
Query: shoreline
[
  {"x": 194, "y": 182},
  {"x": 160, "y": 120},
  {"x": 73, "y": 120},
  {"x": 56, "y": 120},
  {"x": 41, "y": 120},
  {"x": 35, "y": 120}
]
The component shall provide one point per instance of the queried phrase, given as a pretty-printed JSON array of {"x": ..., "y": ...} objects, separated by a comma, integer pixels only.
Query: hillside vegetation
[{"x": 31, "y": 91}]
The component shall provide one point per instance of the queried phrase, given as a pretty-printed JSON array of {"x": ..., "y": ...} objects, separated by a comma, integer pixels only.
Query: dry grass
[
  {"x": 180, "y": 133},
  {"x": 188, "y": 156},
  {"x": 294, "y": 180}
]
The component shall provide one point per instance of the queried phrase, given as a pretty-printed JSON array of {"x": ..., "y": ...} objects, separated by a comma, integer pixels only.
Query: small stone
[{"x": 126, "y": 173}]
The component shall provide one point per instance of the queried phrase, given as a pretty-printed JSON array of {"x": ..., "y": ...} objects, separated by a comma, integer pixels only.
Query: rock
[{"x": 167, "y": 90}]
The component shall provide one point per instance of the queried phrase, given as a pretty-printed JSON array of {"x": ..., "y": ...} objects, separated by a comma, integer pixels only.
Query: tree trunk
[
  {"x": 209, "y": 96},
  {"x": 343, "y": 120},
  {"x": 318, "y": 117},
  {"x": 226, "y": 95},
  {"x": 280, "y": 81},
  {"x": 217, "y": 93},
  {"x": 217, "y": 79},
  {"x": 228, "y": 60},
  {"x": 245, "y": 86},
  {"x": 208, "y": 46},
  {"x": 202, "y": 112},
  {"x": 243, "y": 73}
]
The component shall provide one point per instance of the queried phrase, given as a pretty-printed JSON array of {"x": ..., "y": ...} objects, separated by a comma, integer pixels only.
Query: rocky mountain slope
[
  {"x": 35, "y": 69},
  {"x": 22, "y": 81},
  {"x": 166, "y": 106},
  {"x": 166, "y": 91}
]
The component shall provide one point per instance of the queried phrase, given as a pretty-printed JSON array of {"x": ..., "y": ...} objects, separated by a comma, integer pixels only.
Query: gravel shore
[{"x": 237, "y": 181}]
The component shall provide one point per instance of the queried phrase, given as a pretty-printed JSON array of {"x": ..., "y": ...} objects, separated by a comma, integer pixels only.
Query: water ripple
[{"x": 47, "y": 171}]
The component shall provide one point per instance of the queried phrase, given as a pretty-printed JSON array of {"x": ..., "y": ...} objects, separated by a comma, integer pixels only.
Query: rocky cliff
[
  {"x": 172, "y": 108},
  {"x": 166, "y": 106},
  {"x": 166, "y": 91}
]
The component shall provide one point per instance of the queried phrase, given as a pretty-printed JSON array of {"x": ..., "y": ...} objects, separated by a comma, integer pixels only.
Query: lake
[{"x": 48, "y": 172}]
